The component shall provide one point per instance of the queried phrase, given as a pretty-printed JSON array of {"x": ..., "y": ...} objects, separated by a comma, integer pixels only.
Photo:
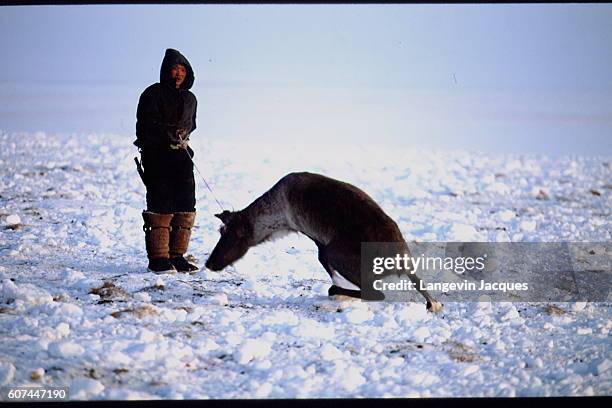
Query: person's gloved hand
[{"x": 180, "y": 139}]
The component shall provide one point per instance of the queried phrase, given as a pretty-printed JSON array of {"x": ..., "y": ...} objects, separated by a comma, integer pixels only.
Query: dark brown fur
[{"x": 336, "y": 215}]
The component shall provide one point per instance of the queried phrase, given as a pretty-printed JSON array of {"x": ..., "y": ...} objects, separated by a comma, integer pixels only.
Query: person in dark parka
[{"x": 165, "y": 117}]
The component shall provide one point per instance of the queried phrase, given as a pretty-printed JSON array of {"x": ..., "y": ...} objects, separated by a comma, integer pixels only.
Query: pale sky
[{"x": 530, "y": 77}]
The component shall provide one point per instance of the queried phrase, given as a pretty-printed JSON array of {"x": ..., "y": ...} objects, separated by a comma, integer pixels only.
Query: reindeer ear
[{"x": 224, "y": 216}]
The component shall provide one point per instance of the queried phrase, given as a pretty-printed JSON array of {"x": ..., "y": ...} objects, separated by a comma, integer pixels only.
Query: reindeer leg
[
  {"x": 334, "y": 291},
  {"x": 345, "y": 265},
  {"x": 432, "y": 304},
  {"x": 323, "y": 257}
]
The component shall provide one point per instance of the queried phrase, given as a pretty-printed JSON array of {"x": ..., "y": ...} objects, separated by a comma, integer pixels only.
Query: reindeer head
[{"x": 235, "y": 241}]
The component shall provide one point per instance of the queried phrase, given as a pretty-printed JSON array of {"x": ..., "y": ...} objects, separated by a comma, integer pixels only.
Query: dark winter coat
[{"x": 163, "y": 108}]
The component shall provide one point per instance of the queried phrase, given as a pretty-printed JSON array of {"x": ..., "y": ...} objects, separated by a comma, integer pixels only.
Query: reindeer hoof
[
  {"x": 337, "y": 290},
  {"x": 434, "y": 306}
]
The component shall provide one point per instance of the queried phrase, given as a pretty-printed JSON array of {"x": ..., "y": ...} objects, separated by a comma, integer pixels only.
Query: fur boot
[
  {"x": 157, "y": 237},
  {"x": 182, "y": 222}
]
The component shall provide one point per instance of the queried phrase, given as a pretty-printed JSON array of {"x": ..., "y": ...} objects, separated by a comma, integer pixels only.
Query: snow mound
[{"x": 26, "y": 292}]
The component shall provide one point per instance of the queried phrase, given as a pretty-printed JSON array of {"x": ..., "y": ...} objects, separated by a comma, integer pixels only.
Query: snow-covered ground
[{"x": 78, "y": 308}]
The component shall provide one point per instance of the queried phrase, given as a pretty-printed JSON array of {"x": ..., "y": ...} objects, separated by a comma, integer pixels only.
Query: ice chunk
[
  {"x": 470, "y": 369},
  {"x": 251, "y": 349},
  {"x": 412, "y": 312},
  {"x": 65, "y": 349},
  {"x": 421, "y": 334},
  {"x": 67, "y": 309},
  {"x": 502, "y": 236},
  {"x": 603, "y": 367},
  {"x": 294, "y": 371},
  {"x": 329, "y": 352},
  {"x": 358, "y": 315},
  {"x": 460, "y": 232},
  {"x": 145, "y": 351},
  {"x": 282, "y": 317},
  {"x": 146, "y": 335},
  {"x": 511, "y": 314},
  {"x": 498, "y": 187},
  {"x": 309, "y": 328},
  {"x": 352, "y": 379},
  {"x": 63, "y": 329},
  {"x": 7, "y": 373},
  {"x": 142, "y": 296},
  {"x": 70, "y": 276},
  {"x": 263, "y": 390},
  {"x": 424, "y": 379},
  {"x": 118, "y": 357},
  {"x": 506, "y": 215},
  {"x": 578, "y": 306},
  {"x": 26, "y": 292},
  {"x": 528, "y": 226},
  {"x": 85, "y": 388},
  {"x": 219, "y": 299}
]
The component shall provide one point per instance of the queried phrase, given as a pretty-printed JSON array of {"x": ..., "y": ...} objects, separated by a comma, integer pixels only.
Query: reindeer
[{"x": 336, "y": 215}]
